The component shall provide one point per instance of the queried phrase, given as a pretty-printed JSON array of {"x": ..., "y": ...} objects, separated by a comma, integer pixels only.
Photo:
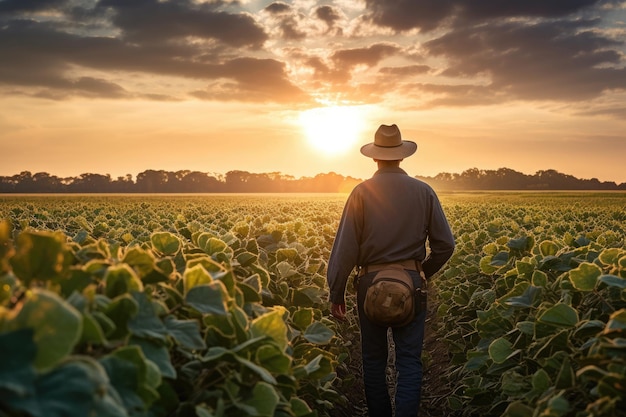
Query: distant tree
[
  {"x": 151, "y": 181},
  {"x": 185, "y": 181},
  {"x": 91, "y": 183},
  {"x": 199, "y": 182}
]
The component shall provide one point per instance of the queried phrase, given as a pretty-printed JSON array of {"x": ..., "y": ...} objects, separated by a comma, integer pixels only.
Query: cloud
[
  {"x": 450, "y": 52},
  {"x": 562, "y": 61},
  {"x": 288, "y": 19},
  {"x": 29, "y": 6},
  {"x": 152, "y": 21},
  {"x": 427, "y": 15},
  {"x": 330, "y": 16},
  {"x": 368, "y": 56},
  {"x": 239, "y": 79},
  {"x": 405, "y": 71},
  {"x": 56, "y": 60}
]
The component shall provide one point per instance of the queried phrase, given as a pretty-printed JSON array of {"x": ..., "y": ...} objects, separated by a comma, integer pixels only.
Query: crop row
[
  {"x": 186, "y": 317},
  {"x": 216, "y": 306}
]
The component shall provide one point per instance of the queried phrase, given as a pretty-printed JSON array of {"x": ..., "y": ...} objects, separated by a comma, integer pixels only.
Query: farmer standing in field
[{"x": 386, "y": 224}]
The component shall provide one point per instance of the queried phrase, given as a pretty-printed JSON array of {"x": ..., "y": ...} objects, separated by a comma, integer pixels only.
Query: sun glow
[{"x": 332, "y": 129}]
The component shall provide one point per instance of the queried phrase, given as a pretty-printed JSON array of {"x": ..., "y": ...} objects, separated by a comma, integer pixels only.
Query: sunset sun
[{"x": 334, "y": 129}]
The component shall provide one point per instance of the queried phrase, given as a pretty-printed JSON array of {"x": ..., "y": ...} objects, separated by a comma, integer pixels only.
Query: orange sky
[{"x": 118, "y": 87}]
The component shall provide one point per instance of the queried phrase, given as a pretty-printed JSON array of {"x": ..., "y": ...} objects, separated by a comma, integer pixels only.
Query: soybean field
[{"x": 216, "y": 305}]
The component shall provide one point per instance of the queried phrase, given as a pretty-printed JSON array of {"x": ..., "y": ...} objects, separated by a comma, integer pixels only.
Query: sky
[{"x": 122, "y": 86}]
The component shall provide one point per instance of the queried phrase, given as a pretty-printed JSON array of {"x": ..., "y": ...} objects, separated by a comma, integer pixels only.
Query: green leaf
[
  {"x": 318, "y": 333},
  {"x": 246, "y": 258},
  {"x": 39, "y": 255},
  {"x": 271, "y": 324},
  {"x": 319, "y": 366},
  {"x": 541, "y": 381},
  {"x": 18, "y": 351},
  {"x": 518, "y": 409},
  {"x": 526, "y": 327},
  {"x": 273, "y": 359},
  {"x": 566, "y": 377},
  {"x": 165, "y": 243},
  {"x": 250, "y": 294},
  {"x": 548, "y": 248},
  {"x": 286, "y": 270},
  {"x": 539, "y": 279},
  {"x": 121, "y": 279},
  {"x": 213, "y": 245},
  {"x": 259, "y": 370},
  {"x": 303, "y": 318},
  {"x": 524, "y": 243},
  {"x": 486, "y": 267},
  {"x": 299, "y": 407},
  {"x": 286, "y": 254},
  {"x": 524, "y": 268},
  {"x": 140, "y": 260},
  {"x": 120, "y": 311},
  {"x": 264, "y": 400},
  {"x": 146, "y": 323},
  {"x": 617, "y": 322},
  {"x": 57, "y": 326},
  {"x": 124, "y": 377},
  {"x": 308, "y": 296},
  {"x": 499, "y": 259},
  {"x": 209, "y": 298},
  {"x": 610, "y": 256},
  {"x": 585, "y": 277},
  {"x": 559, "y": 315},
  {"x": 157, "y": 353},
  {"x": 78, "y": 388},
  {"x": 194, "y": 276},
  {"x": 92, "y": 331},
  {"x": 613, "y": 281},
  {"x": 500, "y": 350},
  {"x": 527, "y": 299},
  {"x": 147, "y": 375},
  {"x": 185, "y": 332}
]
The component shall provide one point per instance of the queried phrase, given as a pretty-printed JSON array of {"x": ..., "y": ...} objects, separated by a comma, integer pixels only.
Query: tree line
[{"x": 184, "y": 181}]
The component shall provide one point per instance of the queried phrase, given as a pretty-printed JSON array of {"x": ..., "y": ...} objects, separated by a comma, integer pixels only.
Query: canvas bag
[{"x": 390, "y": 299}]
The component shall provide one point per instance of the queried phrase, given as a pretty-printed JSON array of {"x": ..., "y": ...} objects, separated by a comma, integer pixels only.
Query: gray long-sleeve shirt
[{"x": 388, "y": 218}]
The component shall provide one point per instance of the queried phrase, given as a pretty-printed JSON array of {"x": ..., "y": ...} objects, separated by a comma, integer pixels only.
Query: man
[{"x": 389, "y": 218}]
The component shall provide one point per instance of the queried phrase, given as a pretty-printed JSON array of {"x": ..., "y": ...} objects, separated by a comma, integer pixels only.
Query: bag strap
[{"x": 410, "y": 264}]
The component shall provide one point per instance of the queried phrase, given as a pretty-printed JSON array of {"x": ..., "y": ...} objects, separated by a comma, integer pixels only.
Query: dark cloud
[
  {"x": 288, "y": 20},
  {"x": 29, "y": 6},
  {"x": 278, "y": 8},
  {"x": 473, "y": 51},
  {"x": 427, "y": 15},
  {"x": 329, "y": 15},
  {"x": 369, "y": 56},
  {"x": 45, "y": 56},
  {"x": 155, "y": 21},
  {"x": 240, "y": 80},
  {"x": 406, "y": 71},
  {"x": 550, "y": 60},
  {"x": 83, "y": 87}
]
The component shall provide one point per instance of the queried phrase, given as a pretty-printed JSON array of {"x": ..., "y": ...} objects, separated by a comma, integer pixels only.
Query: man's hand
[{"x": 338, "y": 311}]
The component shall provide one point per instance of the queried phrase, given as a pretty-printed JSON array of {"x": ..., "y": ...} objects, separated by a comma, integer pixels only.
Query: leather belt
[{"x": 410, "y": 264}]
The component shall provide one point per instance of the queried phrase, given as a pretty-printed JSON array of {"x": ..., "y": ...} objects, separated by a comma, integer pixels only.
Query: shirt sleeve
[
  {"x": 440, "y": 239},
  {"x": 345, "y": 251}
]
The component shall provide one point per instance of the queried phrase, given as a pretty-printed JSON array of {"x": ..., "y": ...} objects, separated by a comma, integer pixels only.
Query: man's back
[{"x": 395, "y": 210}]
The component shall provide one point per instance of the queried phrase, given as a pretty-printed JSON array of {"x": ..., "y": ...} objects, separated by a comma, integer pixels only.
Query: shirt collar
[{"x": 390, "y": 170}]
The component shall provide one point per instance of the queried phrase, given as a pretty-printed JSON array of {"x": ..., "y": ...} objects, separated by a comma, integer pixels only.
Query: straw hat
[{"x": 388, "y": 145}]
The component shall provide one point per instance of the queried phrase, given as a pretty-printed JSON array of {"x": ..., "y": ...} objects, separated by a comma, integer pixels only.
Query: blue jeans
[{"x": 408, "y": 342}]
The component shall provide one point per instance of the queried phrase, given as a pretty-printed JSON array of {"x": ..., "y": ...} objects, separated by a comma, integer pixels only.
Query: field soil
[{"x": 435, "y": 387}]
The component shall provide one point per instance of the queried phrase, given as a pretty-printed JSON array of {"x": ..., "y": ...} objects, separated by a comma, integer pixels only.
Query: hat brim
[{"x": 395, "y": 153}]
